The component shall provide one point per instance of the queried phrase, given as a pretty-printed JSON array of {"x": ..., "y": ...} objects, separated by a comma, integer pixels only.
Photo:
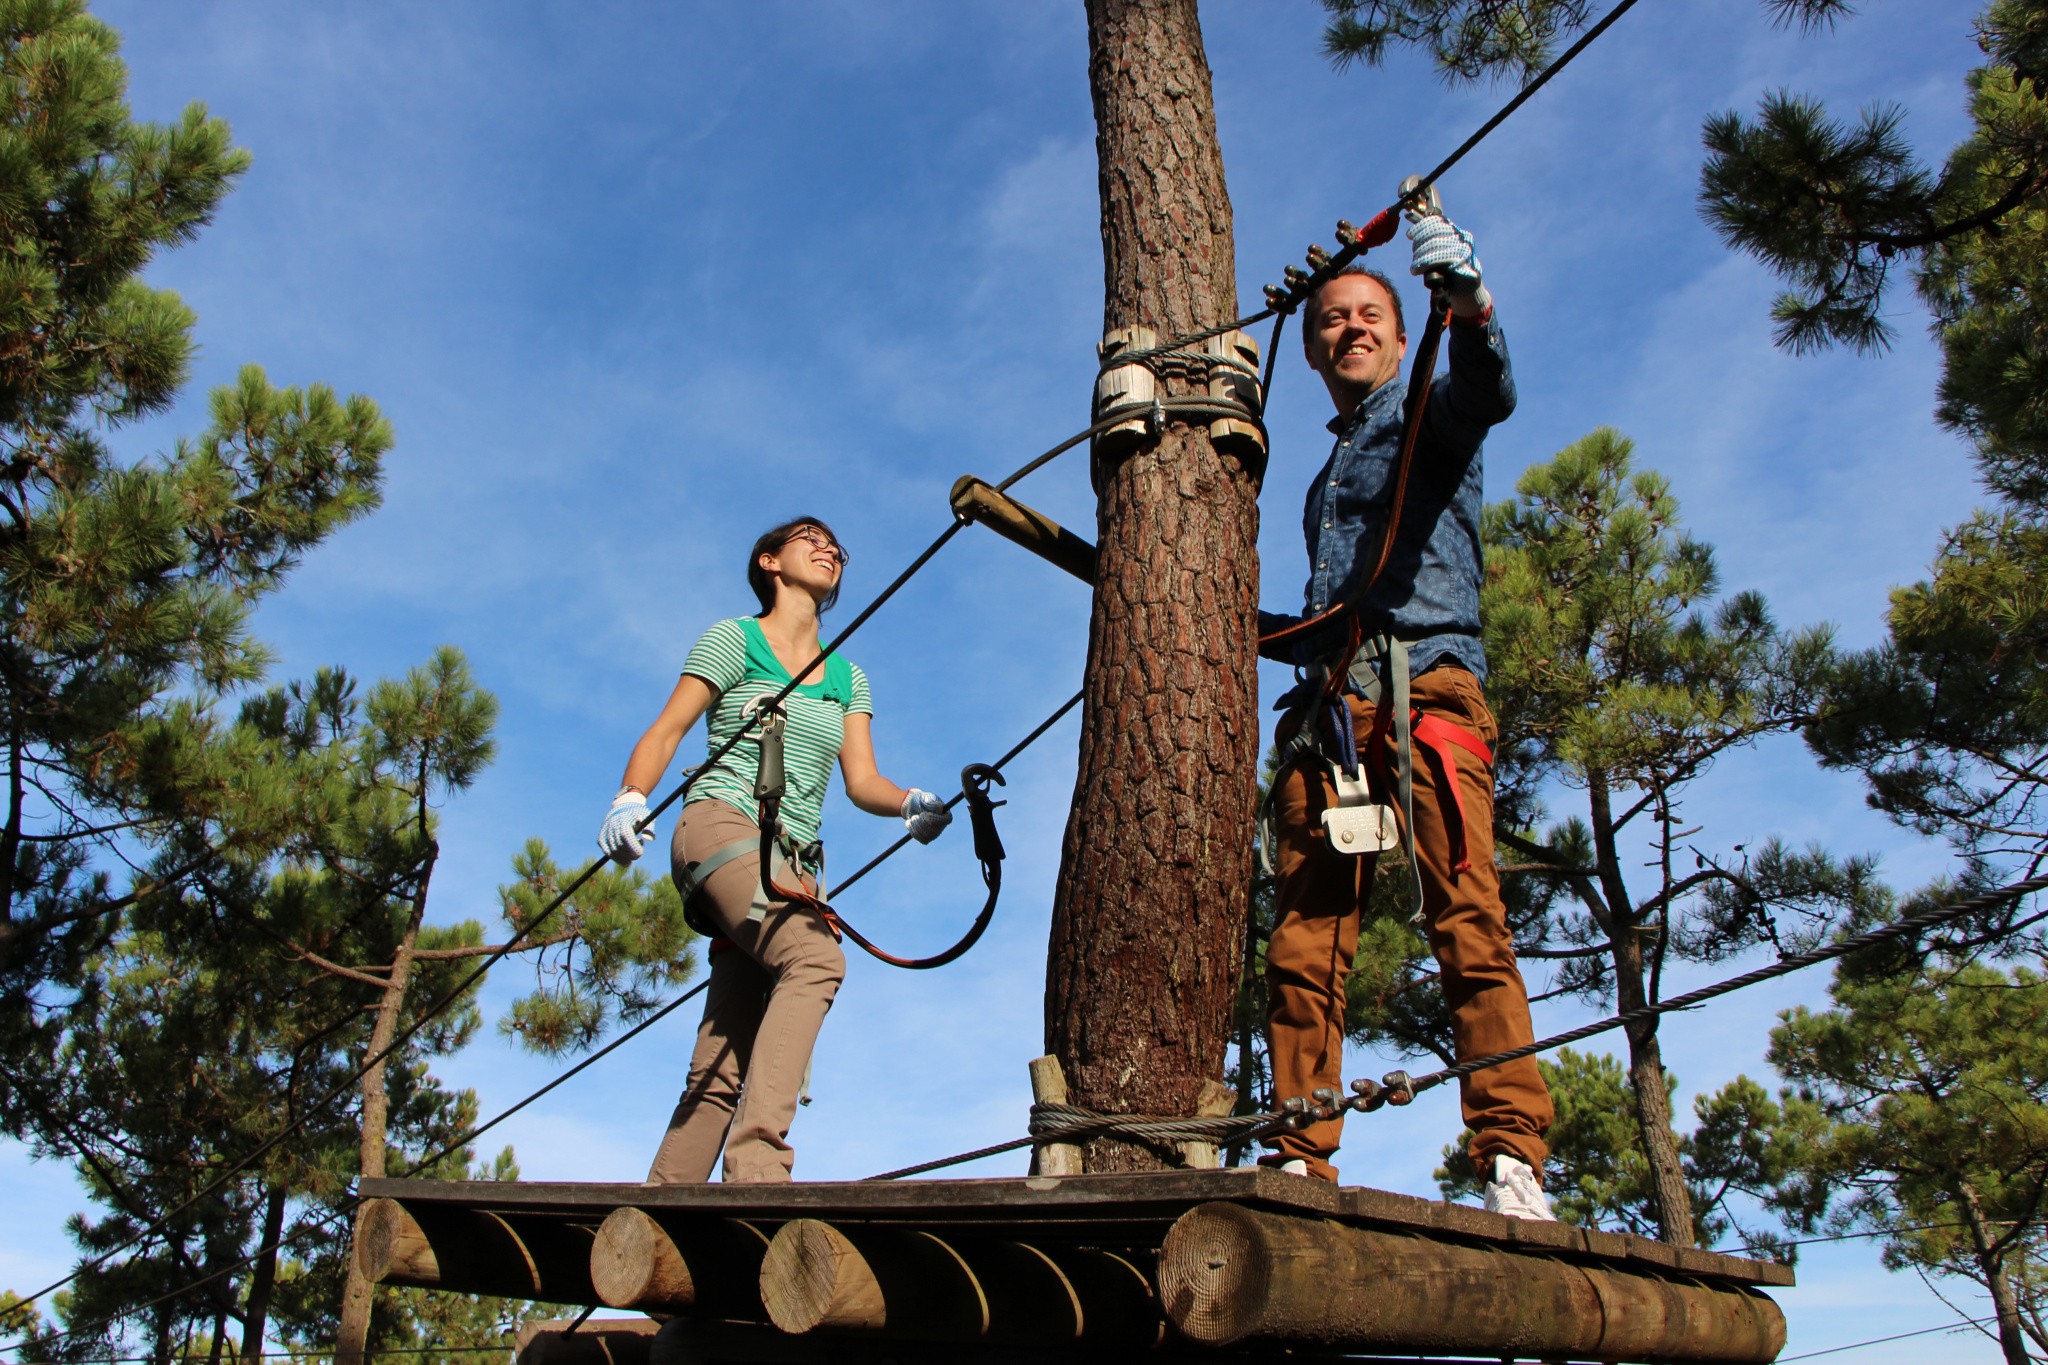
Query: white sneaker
[
  {"x": 1515, "y": 1192},
  {"x": 1294, "y": 1166}
]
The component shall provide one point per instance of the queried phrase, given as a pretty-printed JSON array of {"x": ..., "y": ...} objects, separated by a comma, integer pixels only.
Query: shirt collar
[{"x": 1344, "y": 421}]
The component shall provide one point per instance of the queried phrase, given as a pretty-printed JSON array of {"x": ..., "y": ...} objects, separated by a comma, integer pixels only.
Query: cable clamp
[{"x": 1399, "y": 1087}]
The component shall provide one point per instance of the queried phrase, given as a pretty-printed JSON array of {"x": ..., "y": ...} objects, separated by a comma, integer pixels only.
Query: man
[{"x": 1418, "y": 624}]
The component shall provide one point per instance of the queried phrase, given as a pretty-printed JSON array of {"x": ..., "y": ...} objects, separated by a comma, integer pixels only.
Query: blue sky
[{"x": 634, "y": 281}]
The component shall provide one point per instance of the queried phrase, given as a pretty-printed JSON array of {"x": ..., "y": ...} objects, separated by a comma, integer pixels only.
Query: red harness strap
[{"x": 1436, "y": 736}]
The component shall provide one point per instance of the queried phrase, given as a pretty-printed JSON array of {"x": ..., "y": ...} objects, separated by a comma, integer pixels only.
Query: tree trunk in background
[
  {"x": 1149, "y": 912},
  {"x": 353, "y": 1333}
]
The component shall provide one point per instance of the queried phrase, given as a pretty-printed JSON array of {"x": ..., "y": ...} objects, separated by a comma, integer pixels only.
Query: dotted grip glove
[
  {"x": 1445, "y": 258},
  {"x": 925, "y": 815},
  {"x": 616, "y": 837}
]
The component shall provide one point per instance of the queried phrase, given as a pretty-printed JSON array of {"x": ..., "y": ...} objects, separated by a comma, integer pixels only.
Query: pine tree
[
  {"x": 125, "y": 584},
  {"x": 1617, "y": 675},
  {"x": 1931, "y": 1082}
]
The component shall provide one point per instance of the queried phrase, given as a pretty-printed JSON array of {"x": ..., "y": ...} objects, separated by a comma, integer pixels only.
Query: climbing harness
[
  {"x": 1375, "y": 666},
  {"x": 786, "y": 866}
]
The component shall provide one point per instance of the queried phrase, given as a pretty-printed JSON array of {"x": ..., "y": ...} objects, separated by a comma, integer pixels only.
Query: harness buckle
[{"x": 1356, "y": 823}]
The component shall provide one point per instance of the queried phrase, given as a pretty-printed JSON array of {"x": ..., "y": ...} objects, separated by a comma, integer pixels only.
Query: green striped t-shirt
[{"x": 734, "y": 657}]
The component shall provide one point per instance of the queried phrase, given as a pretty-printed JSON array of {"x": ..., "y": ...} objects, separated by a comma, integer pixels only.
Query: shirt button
[
  {"x": 1326, "y": 526},
  {"x": 1333, "y": 483}
]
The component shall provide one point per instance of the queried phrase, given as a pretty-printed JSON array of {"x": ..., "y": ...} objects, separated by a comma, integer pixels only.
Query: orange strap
[{"x": 1436, "y": 736}]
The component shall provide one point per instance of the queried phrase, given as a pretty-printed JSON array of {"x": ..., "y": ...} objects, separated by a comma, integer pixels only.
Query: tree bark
[
  {"x": 2012, "y": 1343},
  {"x": 264, "y": 1279},
  {"x": 353, "y": 1333},
  {"x": 1645, "y": 1055},
  {"x": 1156, "y": 863}
]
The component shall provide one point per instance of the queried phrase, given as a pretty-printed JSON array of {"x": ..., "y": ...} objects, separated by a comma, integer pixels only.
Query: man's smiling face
[{"x": 1354, "y": 338}]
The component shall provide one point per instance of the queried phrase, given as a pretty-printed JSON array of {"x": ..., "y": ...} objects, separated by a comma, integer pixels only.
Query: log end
[
  {"x": 814, "y": 1277},
  {"x": 634, "y": 1264},
  {"x": 1214, "y": 1274},
  {"x": 391, "y": 1249}
]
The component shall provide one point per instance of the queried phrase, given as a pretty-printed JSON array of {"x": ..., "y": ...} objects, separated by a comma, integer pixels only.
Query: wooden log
[
  {"x": 668, "y": 1263},
  {"x": 610, "y": 1341},
  {"x": 868, "y": 1279},
  {"x": 1025, "y": 526},
  {"x": 1119, "y": 1311},
  {"x": 391, "y": 1248},
  {"x": 559, "y": 1252},
  {"x": 468, "y": 1251},
  {"x": 1214, "y": 1101},
  {"x": 1243, "y": 441},
  {"x": 1228, "y": 1273},
  {"x": 1049, "y": 1086}
]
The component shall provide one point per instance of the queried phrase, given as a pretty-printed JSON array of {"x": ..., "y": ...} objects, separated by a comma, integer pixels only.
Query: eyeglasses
[{"x": 823, "y": 541}]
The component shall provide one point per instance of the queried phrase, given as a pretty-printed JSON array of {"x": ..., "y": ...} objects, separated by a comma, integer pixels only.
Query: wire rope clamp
[
  {"x": 1122, "y": 386},
  {"x": 1366, "y": 1096},
  {"x": 1234, "y": 379},
  {"x": 1399, "y": 1087},
  {"x": 1355, "y": 823}
]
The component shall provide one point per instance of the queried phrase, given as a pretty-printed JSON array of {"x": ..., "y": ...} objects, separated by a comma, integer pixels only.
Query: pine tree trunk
[
  {"x": 264, "y": 1280},
  {"x": 1154, "y": 870},
  {"x": 2012, "y": 1341},
  {"x": 1672, "y": 1199},
  {"x": 352, "y": 1336}
]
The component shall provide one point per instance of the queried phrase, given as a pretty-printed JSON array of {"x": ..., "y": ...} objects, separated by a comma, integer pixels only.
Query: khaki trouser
[
  {"x": 767, "y": 999},
  {"x": 1321, "y": 896}
]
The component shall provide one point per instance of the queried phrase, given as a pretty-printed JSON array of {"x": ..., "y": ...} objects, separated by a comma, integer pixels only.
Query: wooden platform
[{"x": 1202, "y": 1264}]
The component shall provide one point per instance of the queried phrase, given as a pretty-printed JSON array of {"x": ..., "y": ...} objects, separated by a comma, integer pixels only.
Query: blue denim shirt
[{"x": 1428, "y": 594}]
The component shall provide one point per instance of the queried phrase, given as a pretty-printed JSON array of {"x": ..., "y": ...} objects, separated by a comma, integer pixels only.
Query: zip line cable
[
  {"x": 1067, "y": 1123},
  {"x": 1879, "y": 1341},
  {"x": 1348, "y": 253}
]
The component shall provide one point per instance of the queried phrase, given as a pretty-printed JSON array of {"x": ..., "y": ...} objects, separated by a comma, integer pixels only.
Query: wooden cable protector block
[{"x": 1023, "y": 526}]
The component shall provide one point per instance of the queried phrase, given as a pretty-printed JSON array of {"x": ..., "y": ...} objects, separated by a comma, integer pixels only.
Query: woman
[{"x": 775, "y": 963}]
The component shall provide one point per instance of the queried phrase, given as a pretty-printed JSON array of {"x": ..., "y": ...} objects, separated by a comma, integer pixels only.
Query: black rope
[
  {"x": 1399, "y": 1088},
  {"x": 1019, "y": 747},
  {"x": 1888, "y": 933},
  {"x": 1521, "y": 98}
]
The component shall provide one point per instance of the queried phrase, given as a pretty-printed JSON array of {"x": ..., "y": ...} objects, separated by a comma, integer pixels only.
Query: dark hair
[
  {"x": 1310, "y": 304},
  {"x": 771, "y": 542}
]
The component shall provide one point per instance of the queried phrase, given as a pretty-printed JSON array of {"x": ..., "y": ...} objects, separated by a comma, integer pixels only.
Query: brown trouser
[
  {"x": 1321, "y": 896},
  {"x": 767, "y": 999}
]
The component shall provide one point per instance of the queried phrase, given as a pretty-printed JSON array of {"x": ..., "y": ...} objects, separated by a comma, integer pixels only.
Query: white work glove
[
  {"x": 1445, "y": 259},
  {"x": 925, "y": 815},
  {"x": 616, "y": 837}
]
